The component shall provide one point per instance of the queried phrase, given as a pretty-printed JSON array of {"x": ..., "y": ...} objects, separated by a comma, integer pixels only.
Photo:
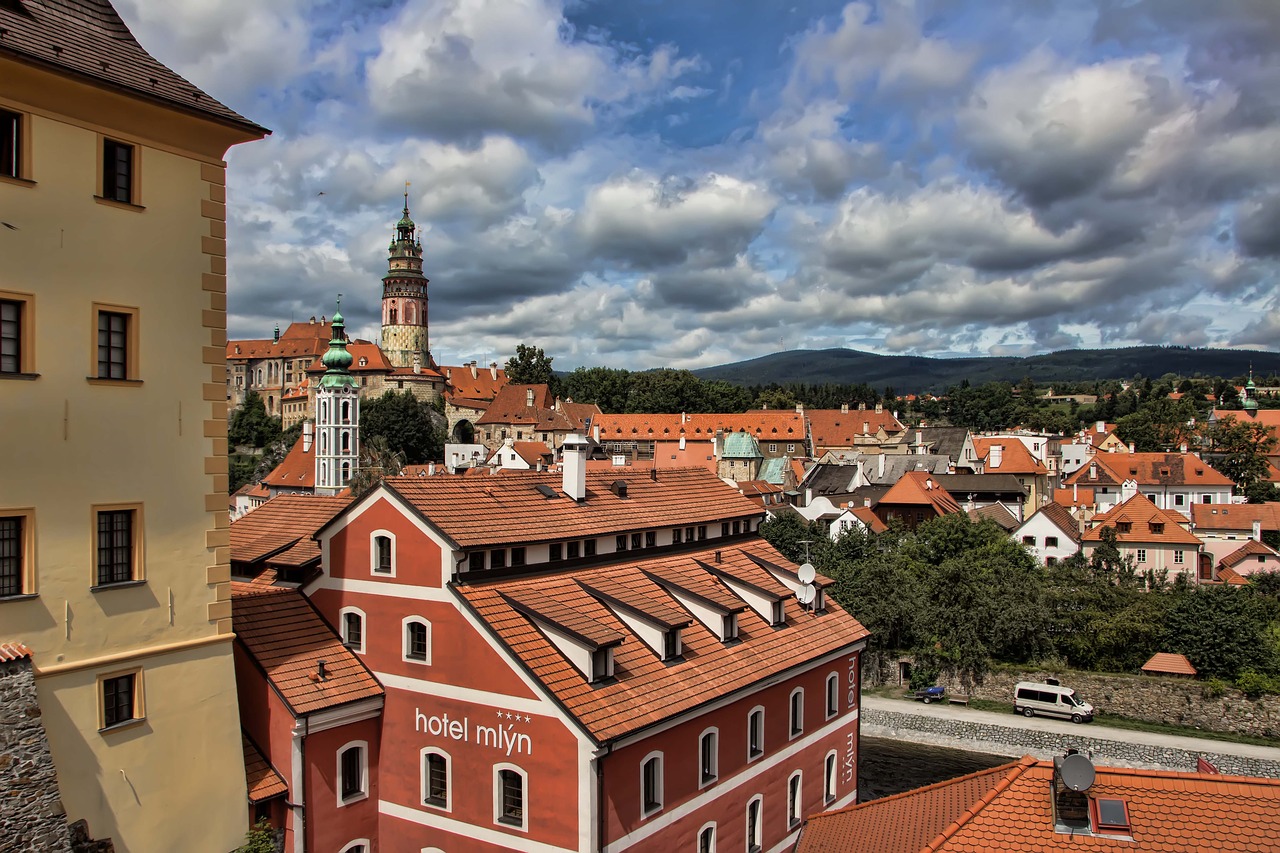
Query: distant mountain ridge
[{"x": 913, "y": 374}]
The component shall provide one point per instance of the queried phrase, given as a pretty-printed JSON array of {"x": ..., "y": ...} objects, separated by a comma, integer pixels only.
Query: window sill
[
  {"x": 19, "y": 596},
  {"x": 117, "y": 585},
  {"x": 754, "y": 756},
  {"x": 127, "y": 724},
  {"x": 122, "y": 205},
  {"x": 512, "y": 823},
  {"x": 15, "y": 180},
  {"x": 19, "y": 375},
  {"x": 127, "y": 383},
  {"x": 354, "y": 798}
]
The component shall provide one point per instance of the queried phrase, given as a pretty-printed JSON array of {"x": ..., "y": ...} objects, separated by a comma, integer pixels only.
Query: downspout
[{"x": 600, "y": 824}]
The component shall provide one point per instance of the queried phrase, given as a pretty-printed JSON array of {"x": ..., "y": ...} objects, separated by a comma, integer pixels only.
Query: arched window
[
  {"x": 382, "y": 553},
  {"x": 829, "y": 778},
  {"x": 509, "y": 786},
  {"x": 393, "y": 314},
  {"x": 755, "y": 834},
  {"x": 353, "y": 772},
  {"x": 833, "y": 694},
  {"x": 346, "y": 441},
  {"x": 351, "y": 624},
  {"x": 408, "y": 313},
  {"x": 346, "y": 474},
  {"x": 417, "y": 640},
  {"x": 708, "y": 757},
  {"x": 755, "y": 733},
  {"x": 346, "y": 411},
  {"x": 707, "y": 838},
  {"x": 436, "y": 778},
  {"x": 796, "y": 718},
  {"x": 651, "y": 784},
  {"x": 360, "y": 845},
  {"x": 324, "y": 442},
  {"x": 794, "y": 805}
]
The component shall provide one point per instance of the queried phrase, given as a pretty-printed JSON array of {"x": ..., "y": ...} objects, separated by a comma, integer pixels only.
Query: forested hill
[{"x": 914, "y": 374}]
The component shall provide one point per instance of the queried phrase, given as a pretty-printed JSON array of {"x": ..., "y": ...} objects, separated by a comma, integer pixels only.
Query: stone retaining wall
[
  {"x": 1015, "y": 741},
  {"x": 1157, "y": 699},
  {"x": 31, "y": 813}
]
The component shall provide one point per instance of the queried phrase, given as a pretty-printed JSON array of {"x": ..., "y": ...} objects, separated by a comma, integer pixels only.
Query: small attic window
[
  {"x": 672, "y": 647},
  {"x": 1110, "y": 815},
  {"x": 1124, "y": 526},
  {"x": 729, "y": 630},
  {"x": 545, "y": 490},
  {"x": 1157, "y": 527},
  {"x": 779, "y": 613},
  {"x": 619, "y": 488},
  {"x": 602, "y": 664}
]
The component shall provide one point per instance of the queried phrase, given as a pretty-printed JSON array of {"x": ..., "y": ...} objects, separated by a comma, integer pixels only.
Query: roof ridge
[
  {"x": 931, "y": 787},
  {"x": 1014, "y": 772}
]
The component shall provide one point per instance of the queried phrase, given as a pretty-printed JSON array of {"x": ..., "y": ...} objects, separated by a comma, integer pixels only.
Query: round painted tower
[
  {"x": 337, "y": 452},
  {"x": 404, "y": 297}
]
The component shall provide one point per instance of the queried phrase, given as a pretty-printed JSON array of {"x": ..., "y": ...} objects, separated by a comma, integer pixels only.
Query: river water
[{"x": 887, "y": 766}]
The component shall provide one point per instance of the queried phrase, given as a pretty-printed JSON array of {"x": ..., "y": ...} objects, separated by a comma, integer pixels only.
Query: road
[{"x": 1094, "y": 730}]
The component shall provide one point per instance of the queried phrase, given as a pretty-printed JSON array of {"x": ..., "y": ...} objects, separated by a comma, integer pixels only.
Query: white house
[{"x": 1050, "y": 534}]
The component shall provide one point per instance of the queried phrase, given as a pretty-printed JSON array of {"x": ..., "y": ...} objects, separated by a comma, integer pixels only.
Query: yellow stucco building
[{"x": 114, "y": 548}]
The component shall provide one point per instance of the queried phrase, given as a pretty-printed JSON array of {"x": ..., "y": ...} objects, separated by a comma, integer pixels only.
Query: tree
[
  {"x": 250, "y": 425},
  {"x": 1221, "y": 629},
  {"x": 409, "y": 426},
  {"x": 607, "y": 387},
  {"x": 531, "y": 366},
  {"x": 1240, "y": 449},
  {"x": 665, "y": 390},
  {"x": 377, "y": 460}
]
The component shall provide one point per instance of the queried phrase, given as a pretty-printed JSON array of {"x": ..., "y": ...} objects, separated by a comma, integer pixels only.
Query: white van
[{"x": 1053, "y": 700}]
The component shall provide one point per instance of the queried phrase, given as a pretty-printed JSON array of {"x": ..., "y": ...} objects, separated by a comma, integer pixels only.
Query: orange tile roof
[
  {"x": 511, "y": 406},
  {"x": 835, "y": 428},
  {"x": 262, "y": 779},
  {"x": 1169, "y": 812},
  {"x": 647, "y": 690},
  {"x": 1150, "y": 469},
  {"x": 763, "y": 425},
  {"x": 300, "y": 339},
  {"x": 14, "y": 651},
  {"x": 919, "y": 488},
  {"x": 285, "y": 635},
  {"x": 1251, "y": 548},
  {"x": 1236, "y": 516},
  {"x": 1073, "y": 497},
  {"x": 1144, "y": 519},
  {"x": 375, "y": 361},
  {"x": 532, "y": 452},
  {"x": 1266, "y": 417},
  {"x": 481, "y": 388},
  {"x": 488, "y": 510},
  {"x": 280, "y": 530},
  {"x": 1167, "y": 663},
  {"x": 1014, "y": 457},
  {"x": 1228, "y": 575},
  {"x": 868, "y": 517},
  {"x": 297, "y": 470}
]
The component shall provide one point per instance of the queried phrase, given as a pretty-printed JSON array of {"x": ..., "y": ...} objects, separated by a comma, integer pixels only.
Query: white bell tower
[{"x": 337, "y": 448}]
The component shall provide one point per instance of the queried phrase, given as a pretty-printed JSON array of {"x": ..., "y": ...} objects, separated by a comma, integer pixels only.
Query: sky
[{"x": 682, "y": 184}]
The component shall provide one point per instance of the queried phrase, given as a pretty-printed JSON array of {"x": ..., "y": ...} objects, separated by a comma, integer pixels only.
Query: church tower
[
  {"x": 337, "y": 416},
  {"x": 404, "y": 297}
]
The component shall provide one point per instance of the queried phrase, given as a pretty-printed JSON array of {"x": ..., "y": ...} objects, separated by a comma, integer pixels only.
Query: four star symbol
[{"x": 510, "y": 716}]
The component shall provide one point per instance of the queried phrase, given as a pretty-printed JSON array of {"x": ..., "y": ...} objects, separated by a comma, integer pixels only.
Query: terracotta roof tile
[
  {"x": 511, "y": 406},
  {"x": 1170, "y": 664},
  {"x": 262, "y": 779},
  {"x": 1139, "y": 520},
  {"x": 298, "y": 340},
  {"x": 285, "y": 635},
  {"x": 1251, "y": 548},
  {"x": 1149, "y": 469},
  {"x": 281, "y": 529},
  {"x": 87, "y": 39},
  {"x": 493, "y": 510},
  {"x": 1013, "y": 457},
  {"x": 1236, "y": 516},
  {"x": 919, "y": 488},
  {"x": 1074, "y": 497},
  {"x": 868, "y": 517},
  {"x": 1061, "y": 518},
  {"x": 646, "y": 689},
  {"x": 297, "y": 470},
  {"x": 14, "y": 651},
  {"x": 763, "y": 425},
  {"x": 465, "y": 389},
  {"x": 835, "y": 428},
  {"x": 374, "y": 360}
]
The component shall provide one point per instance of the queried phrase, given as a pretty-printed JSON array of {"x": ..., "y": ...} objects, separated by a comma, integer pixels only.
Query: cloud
[
  {"x": 809, "y": 154},
  {"x": 1258, "y": 226}
]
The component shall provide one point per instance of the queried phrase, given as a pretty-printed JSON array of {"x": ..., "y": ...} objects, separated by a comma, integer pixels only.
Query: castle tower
[
  {"x": 404, "y": 297},
  {"x": 337, "y": 416}
]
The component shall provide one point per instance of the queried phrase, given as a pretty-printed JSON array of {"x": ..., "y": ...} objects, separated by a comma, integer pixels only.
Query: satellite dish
[
  {"x": 807, "y": 594},
  {"x": 1077, "y": 772},
  {"x": 806, "y": 573}
]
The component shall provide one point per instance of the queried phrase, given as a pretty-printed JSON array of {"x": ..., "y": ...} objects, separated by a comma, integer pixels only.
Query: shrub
[
  {"x": 1254, "y": 684},
  {"x": 1214, "y": 688}
]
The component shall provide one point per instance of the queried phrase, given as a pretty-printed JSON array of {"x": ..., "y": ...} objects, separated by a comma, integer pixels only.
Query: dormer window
[
  {"x": 671, "y": 644},
  {"x": 602, "y": 664},
  {"x": 1124, "y": 526},
  {"x": 1110, "y": 815},
  {"x": 730, "y": 630},
  {"x": 779, "y": 613},
  {"x": 1157, "y": 527}
]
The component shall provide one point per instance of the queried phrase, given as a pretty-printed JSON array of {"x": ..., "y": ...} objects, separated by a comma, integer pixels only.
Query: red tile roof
[
  {"x": 465, "y": 389},
  {"x": 300, "y": 339},
  {"x": 1167, "y": 663},
  {"x": 14, "y": 651},
  {"x": 1146, "y": 522},
  {"x": 1228, "y": 575},
  {"x": 835, "y": 428},
  {"x": 868, "y": 517},
  {"x": 1014, "y": 458},
  {"x": 285, "y": 635},
  {"x": 262, "y": 779},
  {"x": 1239, "y": 517},
  {"x": 1009, "y": 809},
  {"x": 1266, "y": 417},
  {"x": 297, "y": 470},
  {"x": 646, "y": 689},
  {"x": 1150, "y": 469},
  {"x": 1251, "y": 548},
  {"x": 511, "y": 406},
  {"x": 1061, "y": 518},
  {"x": 919, "y": 488},
  {"x": 279, "y": 532},
  {"x": 763, "y": 425},
  {"x": 87, "y": 39},
  {"x": 487, "y": 510},
  {"x": 374, "y": 360},
  {"x": 1076, "y": 497}
]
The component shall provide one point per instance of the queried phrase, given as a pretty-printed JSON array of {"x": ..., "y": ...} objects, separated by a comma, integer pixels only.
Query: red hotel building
[{"x": 577, "y": 663}]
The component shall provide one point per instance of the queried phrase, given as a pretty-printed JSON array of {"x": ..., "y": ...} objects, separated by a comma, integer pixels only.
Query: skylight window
[{"x": 1110, "y": 815}]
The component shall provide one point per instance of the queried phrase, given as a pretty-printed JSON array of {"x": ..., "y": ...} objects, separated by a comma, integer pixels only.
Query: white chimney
[
  {"x": 573, "y": 464},
  {"x": 1101, "y": 427},
  {"x": 879, "y": 408},
  {"x": 844, "y": 408},
  {"x": 1131, "y": 447},
  {"x": 799, "y": 408},
  {"x": 472, "y": 365},
  {"x": 528, "y": 397},
  {"x": 493, "y": 369},
  {"x": 997, "y": 455},
  {"x": 1183, "y": 447},
  {"x": 431, "y": 469},
  {"x": 448, "y": 373},
  {"x": 682, "y": 441},
  {"x": 866, "y": 427},
  {"x": 417, "y": 362},
  {"x": 596, "y": 432},
  {"x": 306, "y": 436},
  {"x": 1257, "y": 531}
]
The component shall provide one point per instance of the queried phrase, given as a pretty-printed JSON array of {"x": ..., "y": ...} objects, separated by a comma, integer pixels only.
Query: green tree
[
  {"x": 1221, "y": 629},
  {"x": 607, "y": 387},
  {"x": 775, "y": 397},
  {"x": 377, "y": 460},
  {"x": 250, "y": 425},
  {"x": 666, "y": 390},
  {"x": 260, "y": 839},
  {"x": 1240, "y": 449},
  {"x": 531, "y": 366},
  {"x": 409, "y": 426}
]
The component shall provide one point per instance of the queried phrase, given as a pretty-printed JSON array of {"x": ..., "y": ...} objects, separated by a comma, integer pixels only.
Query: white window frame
[
  {"x": 795, "y": 803},
  {"x": 830, "y": 778},
  {"x": 703, "y": 780},
  {"x": 1179, "y": 556},
  {"x": 647, "y": 811},
  {"x": 697, "y": 839},
  {"x": 364, "y": 628},
  {"x": 404, "y": 640},
  {"x": 832, "y": 692},
  {"x": 1142, "y": 555},
  {"x": 363, "y": 745},
  {"x": 757, "y": 800},
  {"x": 448, "y": 778},
  {"x": 523, "y": 826},
  {"x": 795, "y": 715},
  {"x": 351, "y": 845},
  {"x": 751, "y": 715},
  {"x": 373, "y": 554}
]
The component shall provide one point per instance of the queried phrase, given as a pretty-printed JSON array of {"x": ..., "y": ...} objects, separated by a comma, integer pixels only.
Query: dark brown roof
[
  {"x": 87, "y": 39},
  {"x": 1061, "y": 518},
  {"x": 484, "y": 510},
  {"x": 647, "y": 690},
  {"x": 287, "y": 638}
]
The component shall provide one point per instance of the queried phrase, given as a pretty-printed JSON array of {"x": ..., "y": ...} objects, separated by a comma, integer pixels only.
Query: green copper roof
[
  {"x": 337, "y": 360},
  {"x": 740, "y": 445}
]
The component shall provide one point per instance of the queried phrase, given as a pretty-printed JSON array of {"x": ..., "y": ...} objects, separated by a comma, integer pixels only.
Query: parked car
[
  {"x": 930, "y": 694},
  {"x": 1052, "y": 700}
]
